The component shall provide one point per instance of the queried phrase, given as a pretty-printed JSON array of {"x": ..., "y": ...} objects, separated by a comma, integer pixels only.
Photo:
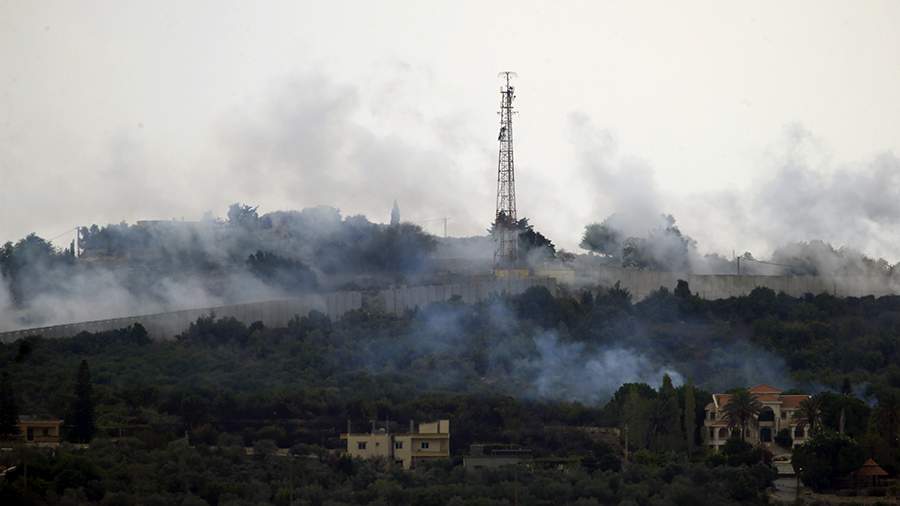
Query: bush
[
  {"x": 740, "y": 453},
  {"x": 825, "y": 458},
  {"x": 784, "y": 439}
]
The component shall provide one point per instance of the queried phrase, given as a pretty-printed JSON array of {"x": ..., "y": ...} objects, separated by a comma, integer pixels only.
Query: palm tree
[
  {"x": 809, "y": 413},
  {"x": 742, "y": 407}
]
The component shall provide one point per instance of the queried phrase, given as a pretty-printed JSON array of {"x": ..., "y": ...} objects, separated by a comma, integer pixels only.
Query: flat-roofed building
[
  {"x": 491, "y": 456},
  {"x": 40, "y": 431},
  {"x": 428, "y": 441}
]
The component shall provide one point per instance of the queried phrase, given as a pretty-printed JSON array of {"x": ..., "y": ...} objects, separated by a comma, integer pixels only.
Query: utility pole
[{"x": 506, "y": 253}]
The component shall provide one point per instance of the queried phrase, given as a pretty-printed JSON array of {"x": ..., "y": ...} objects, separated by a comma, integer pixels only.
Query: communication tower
[{"x": 506, "y": 254}]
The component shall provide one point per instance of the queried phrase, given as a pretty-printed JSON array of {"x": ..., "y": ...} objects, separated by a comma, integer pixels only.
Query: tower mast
[{"x": 506, "y": 253}]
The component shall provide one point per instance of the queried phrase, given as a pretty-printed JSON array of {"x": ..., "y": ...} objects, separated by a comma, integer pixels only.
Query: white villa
[{"x": 778, "y": 412}]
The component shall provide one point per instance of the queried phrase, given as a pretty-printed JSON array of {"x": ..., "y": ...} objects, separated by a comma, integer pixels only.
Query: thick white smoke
[{"x": 574, "y": 372}]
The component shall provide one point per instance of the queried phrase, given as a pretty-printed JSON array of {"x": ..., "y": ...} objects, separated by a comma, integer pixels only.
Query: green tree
[
  {"x": 885, "y": 429},
  {"x": 690, "y": 414},
  {"x": 666, "y": 419},
  {"x": 243, "y": 215},
  {"x": 83, "y": 407},
  {"x": 784, "y": 439},
  {"x": 602, "y": 238},
  {"x": 634, "y": 418},
  {"x": 826, "y": 457},
  {"x": 741, "y": 409},
  {"x": 810, "y": 414},
  {"x": 9, "y": 411}
]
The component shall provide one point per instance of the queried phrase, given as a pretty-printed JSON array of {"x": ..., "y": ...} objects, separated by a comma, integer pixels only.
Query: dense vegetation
[
  {"x": 664, "y": 247},
  {"x": 520, "y": 370},
  {"x": 157, "y": 266}
]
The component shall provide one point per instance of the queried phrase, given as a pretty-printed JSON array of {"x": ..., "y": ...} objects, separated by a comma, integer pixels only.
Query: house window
[
  {"x": 45, "y": 432},
  {"x": 798, "y": 432},
  {"x": 712, "y": 433},
  {"x": 361, "y": 446},
  {"x": 712, "y": 415},
  {"x": 784, "y": 415},
  {"x": 398, "y": 445},
  {"x": 424, "y": 445}
]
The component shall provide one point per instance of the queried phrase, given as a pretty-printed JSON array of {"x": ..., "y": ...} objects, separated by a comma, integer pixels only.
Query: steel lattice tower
[{"x": 507, "y": 251}]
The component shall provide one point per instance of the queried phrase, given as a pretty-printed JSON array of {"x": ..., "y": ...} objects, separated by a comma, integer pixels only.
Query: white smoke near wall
[
  {"x": 800, "y": 196},
  {"x": 100, "y": 294},
  {"x": 7, "y": 311},
  {"x": 575, "y": 372}
]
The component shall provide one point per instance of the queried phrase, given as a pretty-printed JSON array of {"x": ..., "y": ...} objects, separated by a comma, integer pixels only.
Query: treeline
[
  {"x": 487, "y": 368},
  {"x": 127, "y": 472},
  {"x": 157, "y": 266},
  {"x": 319, "y": 238},
  {"x": 662, "y": 246}
]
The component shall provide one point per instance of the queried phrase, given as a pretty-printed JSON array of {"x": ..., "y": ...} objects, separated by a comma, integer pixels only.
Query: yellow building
[
  {"x": 38, "y": 431},
  {"x": 430, "y": 441}
]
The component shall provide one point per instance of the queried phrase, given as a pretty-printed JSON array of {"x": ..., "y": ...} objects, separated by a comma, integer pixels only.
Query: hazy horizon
[{"x": 754, "y": 125}]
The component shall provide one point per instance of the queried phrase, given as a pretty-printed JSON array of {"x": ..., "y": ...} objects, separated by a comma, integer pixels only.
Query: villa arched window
[
  {"x": 798, "y": 432},
  {"x": 767, "y": 415}
]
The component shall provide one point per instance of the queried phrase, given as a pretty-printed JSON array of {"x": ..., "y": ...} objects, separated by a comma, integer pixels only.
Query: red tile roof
[
  {"x": 764, "y": 389},
  {"x": 792, "y": 401},
  {"x": 870, "y": 468},
  {"x": 766, "y": 395}
]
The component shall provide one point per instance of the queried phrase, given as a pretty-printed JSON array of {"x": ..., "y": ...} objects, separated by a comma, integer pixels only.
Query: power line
[
  {"x": 445, "y": 219},
  {"x": 62, "y": 234}
]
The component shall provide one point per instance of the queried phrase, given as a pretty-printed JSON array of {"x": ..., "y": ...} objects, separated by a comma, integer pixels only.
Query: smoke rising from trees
[
  {"x": 162, "y": 266},
  {"x": 799, "y": 206}
]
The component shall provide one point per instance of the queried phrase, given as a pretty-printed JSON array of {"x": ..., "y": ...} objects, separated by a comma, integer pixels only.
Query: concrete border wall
[
  {"x": 721, "y": 286},
  {"x": 167, "y": 325},
  {"x": 277, "y": 313},
  {"x": 397, "y": 300}
]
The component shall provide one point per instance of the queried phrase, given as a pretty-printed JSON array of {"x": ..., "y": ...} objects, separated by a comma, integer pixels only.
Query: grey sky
[{"x": 753, "y": 123}]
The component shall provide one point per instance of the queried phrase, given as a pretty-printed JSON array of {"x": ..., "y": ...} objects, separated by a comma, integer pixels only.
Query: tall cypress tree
[
  {"x": 635, "y": 418},
  {"x": 668, "y": 413},
  {"x": 83, "y": 409},
  {"x": 9, "y": 411},
  {"x": 690, "y": 417}
]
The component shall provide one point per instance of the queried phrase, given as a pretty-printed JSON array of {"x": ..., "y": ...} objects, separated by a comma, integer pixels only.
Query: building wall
[
  {"x": 717, "y": 438},
  {"x": 406, "y": 449},
  {"x": 42, "y": 431},
  {"x": 376, "y": 445},
  {"x": 491, "y": 461}
]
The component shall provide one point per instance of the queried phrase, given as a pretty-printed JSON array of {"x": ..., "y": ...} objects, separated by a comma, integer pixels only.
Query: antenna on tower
[{"x": 506, "y": 254}]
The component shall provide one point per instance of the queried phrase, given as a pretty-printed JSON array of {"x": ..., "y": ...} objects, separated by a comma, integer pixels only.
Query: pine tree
[
  {"x": 9, "y": 412},
  {"x": 83, "y": 408},
  {"x": 690, "y": 417}
]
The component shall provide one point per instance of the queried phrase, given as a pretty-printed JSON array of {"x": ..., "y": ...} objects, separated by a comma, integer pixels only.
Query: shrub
[
  {"x": 825, "y": 458},
  {"x": 784, "y": 439}
]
